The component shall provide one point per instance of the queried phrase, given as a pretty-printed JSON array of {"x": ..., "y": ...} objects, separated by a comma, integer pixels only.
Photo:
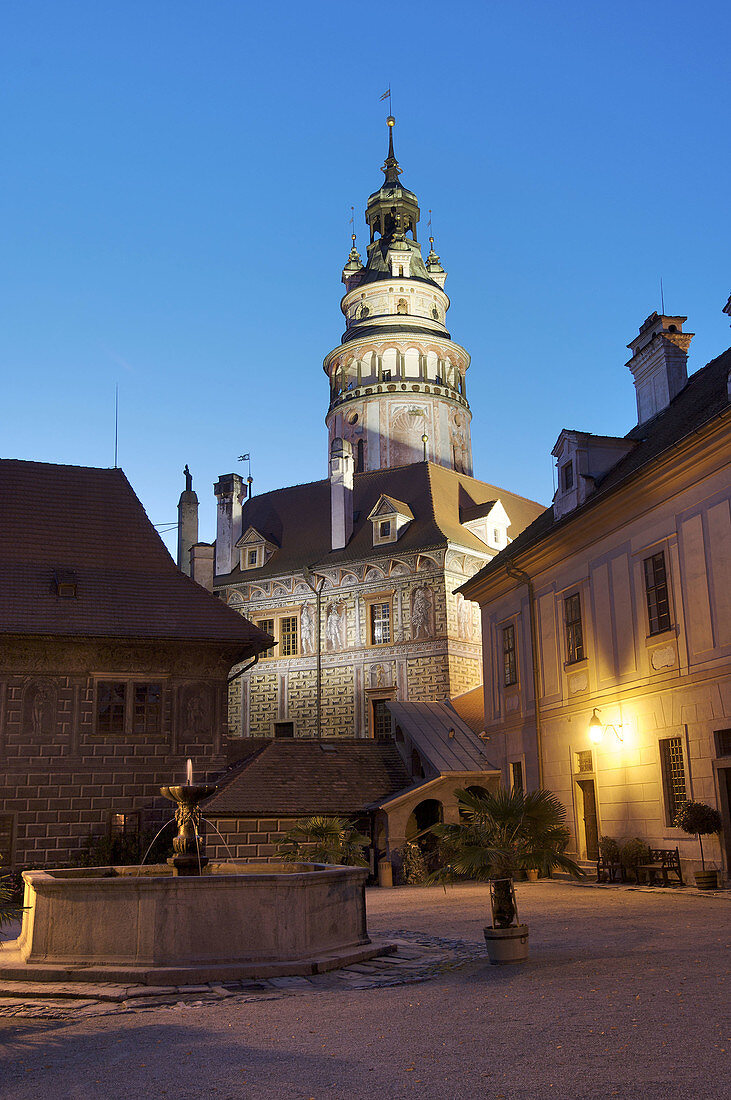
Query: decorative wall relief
[
  {"x": 459, "y": 441},
  {"x": 307, "y": 629},
  {"x": 196, "y": 712},
  {"x": 578, "y": 682},
  {"x": 335, "y": 626},
  {"x": 665, "y": 657},
  {"x": 236, "y": 600},
  {"x": 422, "y": 613},
  {"x": 408, "y": 424},
  {"x": 380, "y": 676},
  {"x": 464, "y": 618},
  {"x": 40, "y": 700}
]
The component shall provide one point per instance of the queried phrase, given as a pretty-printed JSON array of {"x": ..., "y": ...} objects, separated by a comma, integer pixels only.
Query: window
[
  {"x": 284, "y": 729},
  {"x": 252, "y": 558},
  {"x": 384, "y": 529},
  {"x": 656, "y": 588},
  {"x": 285, "y": 628},
  {"x": 288, "y": 636},
  {"x": 124, "y": 824},
  {"x": 567, "y": 476},
  {"x": 110, "y": 708},
  {"x": 146, "y": 712},
  {"x": 386, "y": 376},
  {"x": 574, "y": 632},
  {"x": 516, "y": 775},
  {"x": 359, "y": 455},
  {"x": 584, "y": 762},
  {"x": 673, "y": 776},
  {"x": 123, "y": 708},
  {"x": 510, "y": 668},
  {"x": 380, "y": 627},
  {"x": 381, "y": 720}
]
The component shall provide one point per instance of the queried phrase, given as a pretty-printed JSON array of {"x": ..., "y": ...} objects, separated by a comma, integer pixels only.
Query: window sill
[
  {"x": 582, "y": 663},
  {"x": 662, "y": 635}
]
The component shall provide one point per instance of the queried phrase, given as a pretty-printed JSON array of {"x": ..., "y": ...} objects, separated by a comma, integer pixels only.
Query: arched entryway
[{"x": 422, "y": 817}]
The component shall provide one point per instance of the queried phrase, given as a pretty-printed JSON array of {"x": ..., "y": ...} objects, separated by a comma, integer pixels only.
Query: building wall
[
  {"x": 434, "y": 652},
  {"x": 60, "y": 778},
  {"x": 674, "y": 684}
]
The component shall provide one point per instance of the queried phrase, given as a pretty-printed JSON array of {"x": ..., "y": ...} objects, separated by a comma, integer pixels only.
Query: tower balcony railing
[{"x": 398, "y": 385}]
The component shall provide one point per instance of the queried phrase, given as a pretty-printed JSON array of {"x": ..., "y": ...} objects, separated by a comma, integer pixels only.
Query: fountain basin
[{"x": 237, "y": 920}]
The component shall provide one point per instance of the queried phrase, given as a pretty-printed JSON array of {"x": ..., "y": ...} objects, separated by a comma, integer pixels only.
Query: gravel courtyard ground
[{"x": 626, "y": 995}]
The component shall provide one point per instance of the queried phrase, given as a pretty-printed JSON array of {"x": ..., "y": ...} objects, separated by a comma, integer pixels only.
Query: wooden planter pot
[{"x": 507, "y": 945}]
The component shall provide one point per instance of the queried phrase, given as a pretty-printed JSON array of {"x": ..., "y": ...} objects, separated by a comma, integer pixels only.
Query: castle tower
[{"x": 397, "y": 379}]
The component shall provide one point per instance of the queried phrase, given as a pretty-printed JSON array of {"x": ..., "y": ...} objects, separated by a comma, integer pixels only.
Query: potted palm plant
[
  {"x": 500, "y": 835},
  {"x": 323, "y": 839},
  {"x": 700, "y": 820}
]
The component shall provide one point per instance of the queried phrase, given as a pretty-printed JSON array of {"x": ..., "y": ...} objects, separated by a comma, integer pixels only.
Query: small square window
[
  {"x": 386, "y": 376},
  {"x": 384, "y": 529},
  {"x": 252, "y": 558}
]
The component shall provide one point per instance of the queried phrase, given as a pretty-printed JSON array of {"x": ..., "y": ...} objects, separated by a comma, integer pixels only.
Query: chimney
[
  {"x": 187, "y": 523},
  {"x": 341, "y": 492},
  {"x": 659, "y": 363},
  {"x": 201, "y": 564},
  {"x": 229, "y": 492}
]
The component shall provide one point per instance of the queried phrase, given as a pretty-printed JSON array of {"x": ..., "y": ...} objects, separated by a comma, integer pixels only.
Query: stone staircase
[{"x": 588, "y": 866}]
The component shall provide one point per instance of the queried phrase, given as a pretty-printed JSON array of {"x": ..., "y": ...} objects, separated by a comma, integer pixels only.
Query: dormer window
[
  {"x": 489, "y": 522},
  {"x": 255, "y": 549},
  {"x": 389, "y": 518},
  {"x": 64, "y": 583}
]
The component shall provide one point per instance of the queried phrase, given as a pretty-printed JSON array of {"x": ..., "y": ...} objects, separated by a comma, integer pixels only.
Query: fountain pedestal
[{"x": 189, "y": 858}]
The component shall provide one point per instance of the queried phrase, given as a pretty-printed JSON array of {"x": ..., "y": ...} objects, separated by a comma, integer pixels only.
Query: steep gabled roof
[
  {"x": 297, "y": 519},
  {"x": 87, "y": 524},
  {"x": 298, "y": 777},
  {"x": 704, "y": 398}
]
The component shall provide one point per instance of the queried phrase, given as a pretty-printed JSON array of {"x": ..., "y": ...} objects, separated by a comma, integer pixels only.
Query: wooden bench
[
  {"x": 608, "y": 869},
  {"x": 665, "y": 861}
]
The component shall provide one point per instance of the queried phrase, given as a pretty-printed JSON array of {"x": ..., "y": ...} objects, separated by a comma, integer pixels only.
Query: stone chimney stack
[
  {"x": 659, "y": 363},
  {"x": 229, "y": 494},
  {"x": 341, "y": 492},
  {"x": 187, "y": 523},
  {"x": 201, "y": 564}
]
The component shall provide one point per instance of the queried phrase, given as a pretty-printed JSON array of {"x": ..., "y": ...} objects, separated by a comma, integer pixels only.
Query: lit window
[
  {"x": 574, "y": 631},
  {"x": 567, "y": 476},
  {"x": 656, "y": 588},
  {"x": 288, "y": 636},
  {"x": 510, "y": 668},
  {"x": 380, "y": 623},
  {"x": 673, "y": 776}
]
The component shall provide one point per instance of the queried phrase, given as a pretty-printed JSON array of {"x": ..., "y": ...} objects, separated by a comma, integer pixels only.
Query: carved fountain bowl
[
  {"x": 147, "y": 925},
  {"x": 188, "y": 793}
]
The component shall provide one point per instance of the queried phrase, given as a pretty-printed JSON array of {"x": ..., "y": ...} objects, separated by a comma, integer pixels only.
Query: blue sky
[{"x": 178, "y": 178}]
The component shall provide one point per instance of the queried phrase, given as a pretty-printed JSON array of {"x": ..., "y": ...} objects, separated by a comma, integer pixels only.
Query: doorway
[{"x": 588, "y": 815}]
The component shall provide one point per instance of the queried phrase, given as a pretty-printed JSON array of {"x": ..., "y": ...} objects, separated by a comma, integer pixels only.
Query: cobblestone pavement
[
  {"x": 626, "y": 994},
  {"x": 417, "y": 959}
]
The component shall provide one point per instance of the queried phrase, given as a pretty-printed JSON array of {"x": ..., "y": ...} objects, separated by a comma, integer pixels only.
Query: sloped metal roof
[{"x": 428, "y": 726}]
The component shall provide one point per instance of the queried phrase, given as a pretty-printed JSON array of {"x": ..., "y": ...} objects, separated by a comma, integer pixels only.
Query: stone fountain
[{"x": 189, "y": 920}]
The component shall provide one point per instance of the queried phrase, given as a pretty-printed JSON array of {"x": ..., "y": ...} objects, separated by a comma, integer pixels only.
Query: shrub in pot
[
  {"x": 698, "y": 819},
  {"x": 499, "y": 835},
  {"x": 323, "y": 839},
  {"x": 609, "y": 848}
]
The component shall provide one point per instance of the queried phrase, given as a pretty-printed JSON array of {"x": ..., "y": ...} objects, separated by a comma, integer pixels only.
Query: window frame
[
  {"x": 131, "y": 685},
  {"x": 510, "y": 656},
  {"x": 573, "y": 629},
  {"x": 380, "y": 599},
  {"x": 671, "y": 799},
  {"x": 567, "y": 476},
  {"x": 271, "y": 622},
  {"x": 662, "y": 616}
]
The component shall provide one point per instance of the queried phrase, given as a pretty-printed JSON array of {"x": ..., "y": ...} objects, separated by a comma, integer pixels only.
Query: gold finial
[{"x": 390, "y": 121}]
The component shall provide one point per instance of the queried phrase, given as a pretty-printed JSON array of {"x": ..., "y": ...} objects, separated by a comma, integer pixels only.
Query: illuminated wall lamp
[{"x": 597, "y": 729}]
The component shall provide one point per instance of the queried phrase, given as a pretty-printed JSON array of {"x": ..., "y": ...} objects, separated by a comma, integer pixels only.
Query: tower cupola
[{"x": 397, "y": 380}]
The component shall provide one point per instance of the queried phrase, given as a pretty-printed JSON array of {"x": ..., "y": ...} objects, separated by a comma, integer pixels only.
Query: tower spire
[{"x": 391, "y": 168}]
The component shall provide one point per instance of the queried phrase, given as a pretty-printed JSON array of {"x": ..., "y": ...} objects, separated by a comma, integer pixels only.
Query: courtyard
[{"x": 625, "y": 994}]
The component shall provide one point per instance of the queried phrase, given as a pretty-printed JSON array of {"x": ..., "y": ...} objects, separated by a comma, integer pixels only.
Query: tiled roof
[
  {"x": 702, "y": 399},
  {"x": 298, "y": 777},
  {"x": 87, "y": 524},
  {"x": 428, "y": 726},
  {"x": 471, "y": 708},
  {"x": 297, "y": 519}
]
